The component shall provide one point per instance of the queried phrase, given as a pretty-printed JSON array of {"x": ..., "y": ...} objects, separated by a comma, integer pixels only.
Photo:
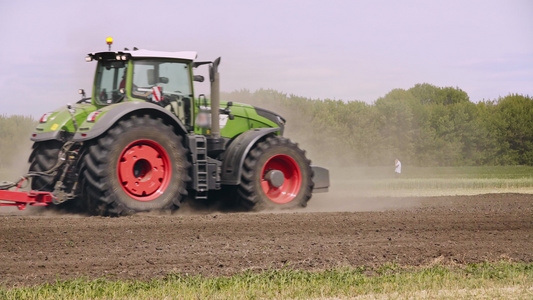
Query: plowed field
[{"x": 41, "y": 247}]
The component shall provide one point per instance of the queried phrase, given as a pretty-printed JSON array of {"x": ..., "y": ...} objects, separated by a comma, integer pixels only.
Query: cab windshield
[
  {"x": 171, "y": 77},
  {"x": 109, "y": 80}
]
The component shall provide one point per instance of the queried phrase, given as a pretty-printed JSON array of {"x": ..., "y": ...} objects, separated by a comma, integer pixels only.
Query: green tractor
[{"x": 144, "y": 142}]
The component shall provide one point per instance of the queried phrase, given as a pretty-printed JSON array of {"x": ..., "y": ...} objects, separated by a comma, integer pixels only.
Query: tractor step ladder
[{"x": 201, "y": 168}]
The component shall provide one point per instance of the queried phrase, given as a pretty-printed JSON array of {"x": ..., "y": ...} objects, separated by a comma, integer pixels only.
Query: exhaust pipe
[{"x": 214, "y": 76}]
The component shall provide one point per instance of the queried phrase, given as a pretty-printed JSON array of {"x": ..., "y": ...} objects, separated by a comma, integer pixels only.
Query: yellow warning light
[{"x": 109, "y": 41}]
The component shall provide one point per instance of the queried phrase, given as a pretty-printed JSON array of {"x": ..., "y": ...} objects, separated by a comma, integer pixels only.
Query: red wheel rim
[
  {"x": 144, "y": 170},
  {"x": 292, "y": 183}
]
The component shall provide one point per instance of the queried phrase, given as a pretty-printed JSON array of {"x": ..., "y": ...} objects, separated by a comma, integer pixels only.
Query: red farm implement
[{"x": 21, "y": 199}]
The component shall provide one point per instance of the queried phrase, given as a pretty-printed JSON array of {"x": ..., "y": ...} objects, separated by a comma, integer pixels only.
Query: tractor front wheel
[
  {"x": 138, "y": 165},
  {"x": 276, "y": 174}
]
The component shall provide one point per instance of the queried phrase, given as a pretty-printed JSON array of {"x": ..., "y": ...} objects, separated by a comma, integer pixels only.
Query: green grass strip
[{"x": 487, "y": 280}]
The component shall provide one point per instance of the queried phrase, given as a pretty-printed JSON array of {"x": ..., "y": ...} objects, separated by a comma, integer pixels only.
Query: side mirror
[
  {"x": 198, "y": 78},
  {"x": 82, "y": 93},
  {"x": 202, "y": 100}
]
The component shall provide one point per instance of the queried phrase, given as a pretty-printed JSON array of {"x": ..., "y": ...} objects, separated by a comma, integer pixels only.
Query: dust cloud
[
  {"x": 15, "y": 154},
  {"x": 351, "y": 181},
  {"x": 15, "y": 168},
  {"x": 348, "y": 195}
]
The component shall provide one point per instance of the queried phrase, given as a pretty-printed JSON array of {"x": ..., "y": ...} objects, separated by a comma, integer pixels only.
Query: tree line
[{"x": 425, "y": 125}]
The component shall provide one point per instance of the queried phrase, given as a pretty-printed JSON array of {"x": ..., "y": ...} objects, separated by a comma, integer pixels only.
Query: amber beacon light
[{"x": 109, "y": 41}]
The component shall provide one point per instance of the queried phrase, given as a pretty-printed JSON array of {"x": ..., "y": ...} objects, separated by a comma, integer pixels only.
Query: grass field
[
  {"x": 481, "y": 172},
  {"x": 487, "y": 281},
  {"x": 436, "y": 181}
]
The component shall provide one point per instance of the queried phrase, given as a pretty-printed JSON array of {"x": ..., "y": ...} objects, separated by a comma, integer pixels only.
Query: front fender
[
  {"x": 237, "y": 151},
  {"x": 59, "y": 125},
  {"x": 111, "y": 114}
]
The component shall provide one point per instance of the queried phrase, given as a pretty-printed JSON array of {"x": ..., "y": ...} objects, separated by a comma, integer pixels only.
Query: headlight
[
  {"x": 92, "y": 116},
  {"x": 45, "y": 117}
]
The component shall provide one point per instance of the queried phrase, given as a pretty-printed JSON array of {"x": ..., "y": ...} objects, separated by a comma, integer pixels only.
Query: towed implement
[{"x": 144, "y": 142}]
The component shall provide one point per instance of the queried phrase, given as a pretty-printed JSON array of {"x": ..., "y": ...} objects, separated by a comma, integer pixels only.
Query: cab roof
[{"x": 143, "y": 53}]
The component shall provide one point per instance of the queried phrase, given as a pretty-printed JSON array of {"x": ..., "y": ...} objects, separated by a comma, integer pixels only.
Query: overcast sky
[{"x": 342, "y": 50}]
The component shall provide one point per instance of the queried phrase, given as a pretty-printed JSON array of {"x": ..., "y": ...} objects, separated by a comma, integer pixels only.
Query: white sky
[{"x": 343, "y": 50}]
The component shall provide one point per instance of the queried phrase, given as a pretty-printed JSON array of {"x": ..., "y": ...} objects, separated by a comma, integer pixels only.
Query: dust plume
[
  {"x": 16, "y": 167},
  {"x": 350, "y": 192},
  {"x": 351, "y": 179}
]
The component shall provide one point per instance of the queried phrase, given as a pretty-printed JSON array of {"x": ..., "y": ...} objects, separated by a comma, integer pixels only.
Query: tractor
[{"x": 142, "y": 142}]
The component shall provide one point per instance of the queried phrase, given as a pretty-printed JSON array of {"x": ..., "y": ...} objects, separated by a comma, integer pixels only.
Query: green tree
[{"x": 516, "y": 132}]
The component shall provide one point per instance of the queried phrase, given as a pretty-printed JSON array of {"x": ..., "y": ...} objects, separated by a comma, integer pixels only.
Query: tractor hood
[
  {"x": 272, "y": 116},
  {"x": 236, "y": 118}
]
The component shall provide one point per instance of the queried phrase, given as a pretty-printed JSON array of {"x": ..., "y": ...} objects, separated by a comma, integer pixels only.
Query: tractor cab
[{"x": 160, "y": 77}]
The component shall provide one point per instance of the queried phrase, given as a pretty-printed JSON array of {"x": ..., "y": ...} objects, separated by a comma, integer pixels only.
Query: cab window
[
  {"x": 109, "y": 80},
  {"x": 172, "y": 77},
  {"x": 172, "y": 80}
]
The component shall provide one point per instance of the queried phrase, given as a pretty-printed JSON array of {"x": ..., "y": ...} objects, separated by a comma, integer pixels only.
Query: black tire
[
  {"x": 43, "y": 157},
  {"x": 280, "y": 155},
  {"x": 139, "y": 165}
]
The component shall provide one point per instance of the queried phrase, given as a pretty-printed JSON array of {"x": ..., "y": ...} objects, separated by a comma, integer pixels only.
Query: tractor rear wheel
[
  {"x": 276, "y": 174},
  {"x": 43, "y": 157},
  {"x": 138, "y": 165}
]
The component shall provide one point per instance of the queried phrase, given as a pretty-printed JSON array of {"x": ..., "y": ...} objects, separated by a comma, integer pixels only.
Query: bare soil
[{"x": 35, "y": 249}]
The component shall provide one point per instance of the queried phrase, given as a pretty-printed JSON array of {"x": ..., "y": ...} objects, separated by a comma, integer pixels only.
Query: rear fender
[
  {"x": 110, "y": 115},
  {"x": 236, "y": 153}
]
